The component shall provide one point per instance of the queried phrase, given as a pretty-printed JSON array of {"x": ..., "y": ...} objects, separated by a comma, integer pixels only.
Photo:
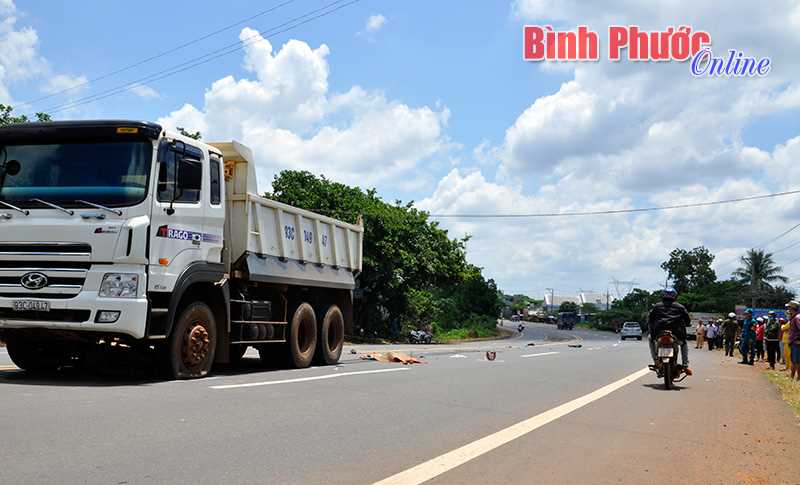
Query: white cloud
[
  {"x": 621, "y": 135},
  {"x": 292, "y": 120},
  {"x": 64, "y": 82},
  {"x": 20, "y": 59},
  {"x": 144, "y": 91},
  {"x": 375, "y": 23}
]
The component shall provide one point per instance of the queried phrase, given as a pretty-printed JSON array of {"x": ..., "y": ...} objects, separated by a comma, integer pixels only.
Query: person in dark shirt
[{"x": 669, "y": 315}]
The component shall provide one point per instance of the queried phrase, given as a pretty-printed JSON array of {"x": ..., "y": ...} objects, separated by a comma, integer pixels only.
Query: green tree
[
  {"x": 196, "y": 135},
  {"x": 568, "y": 306},
  {"x": 690, "y": 270},
  {"x": 412, "y": 272},
  {"x": 7, "y": 118},
  {"x": 759, "y": 272},
  {"x": 588, "y": 308}
]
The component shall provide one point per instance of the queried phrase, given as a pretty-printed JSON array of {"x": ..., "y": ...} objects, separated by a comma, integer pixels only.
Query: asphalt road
[{"x": 534, "y": 415}]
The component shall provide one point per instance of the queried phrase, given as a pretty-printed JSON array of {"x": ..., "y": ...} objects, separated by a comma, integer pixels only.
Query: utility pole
[{"x": 552, "y": 299}]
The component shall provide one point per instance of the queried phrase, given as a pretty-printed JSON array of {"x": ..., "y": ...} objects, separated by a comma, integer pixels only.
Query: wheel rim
[{"x": 196, "y": 344}]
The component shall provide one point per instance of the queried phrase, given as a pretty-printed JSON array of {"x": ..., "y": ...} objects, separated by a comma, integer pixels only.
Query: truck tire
[
  {"x": 34, "y": 356},
  {"x": 331, "y": 336},
  {"x": 192, "y": 343},
  {"x": 302, "y": 337}
]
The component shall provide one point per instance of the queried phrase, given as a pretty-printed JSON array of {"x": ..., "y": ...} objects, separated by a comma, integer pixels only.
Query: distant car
[{"x": 631, "y": 330}]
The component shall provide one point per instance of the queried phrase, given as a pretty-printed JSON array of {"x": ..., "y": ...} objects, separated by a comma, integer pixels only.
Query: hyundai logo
[{"x": 34, "y": 281}]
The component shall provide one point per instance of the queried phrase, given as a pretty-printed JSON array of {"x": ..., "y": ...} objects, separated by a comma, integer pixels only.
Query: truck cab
[{"x": 112, "y": 232}]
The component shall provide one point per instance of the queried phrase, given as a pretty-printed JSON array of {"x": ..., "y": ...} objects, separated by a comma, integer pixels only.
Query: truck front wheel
[
  {"x": 34, "y": 356},
  {"x": 331, "y": 336},
  {"x": 192, "y": 343}
]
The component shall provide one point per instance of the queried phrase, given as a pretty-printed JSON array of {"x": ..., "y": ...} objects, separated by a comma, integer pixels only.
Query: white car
[{"x": 631, "y": 330}]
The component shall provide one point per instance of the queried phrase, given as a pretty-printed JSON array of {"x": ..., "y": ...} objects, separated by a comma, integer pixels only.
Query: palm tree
[{"x": 759, "y": 271}]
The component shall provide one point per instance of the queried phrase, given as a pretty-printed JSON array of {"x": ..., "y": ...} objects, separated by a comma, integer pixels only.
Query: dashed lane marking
[
  {"x": 306, "y": 379},
  {"x": 538, "y": 355}
]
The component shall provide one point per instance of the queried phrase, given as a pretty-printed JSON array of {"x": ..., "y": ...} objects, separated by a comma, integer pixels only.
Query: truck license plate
[
  {"x": 664, "y": 352},
  {"x": 31, "y": 306}
]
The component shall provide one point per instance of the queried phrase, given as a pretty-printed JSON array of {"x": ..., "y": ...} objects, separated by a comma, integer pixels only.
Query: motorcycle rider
[{"x": 669, "y": 315}]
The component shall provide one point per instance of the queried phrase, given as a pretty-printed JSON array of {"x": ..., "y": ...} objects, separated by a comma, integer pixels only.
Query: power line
[
  {"x": 794, "y": 244},
  {"x": 206, "y": 58},
  {"x": 157, "y": 56},
  {"x": 622, "y": 211},
  {"x": 762, "y": 246}
]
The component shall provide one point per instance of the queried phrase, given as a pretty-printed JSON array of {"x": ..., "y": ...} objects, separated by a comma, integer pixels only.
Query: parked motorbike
[
  {"x": 666, "y": 366},
  {"x": 419, "y": 337}
]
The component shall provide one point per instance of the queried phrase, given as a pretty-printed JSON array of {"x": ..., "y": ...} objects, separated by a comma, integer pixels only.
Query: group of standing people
[{"x": 767, "y": 338}]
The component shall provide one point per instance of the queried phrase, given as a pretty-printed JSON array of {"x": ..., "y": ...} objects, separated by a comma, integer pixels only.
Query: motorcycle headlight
[{"x": 119, "y": 285}]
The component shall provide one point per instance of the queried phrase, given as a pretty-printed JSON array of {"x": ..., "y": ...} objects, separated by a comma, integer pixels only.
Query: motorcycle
[
  {"x": 520, "y": 328},
  {"x": 419, "y": 337},
  {"x": 666, "y": 365}
]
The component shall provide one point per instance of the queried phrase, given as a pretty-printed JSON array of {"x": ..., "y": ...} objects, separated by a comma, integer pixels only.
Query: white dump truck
[{"x": 123, "y": 234}]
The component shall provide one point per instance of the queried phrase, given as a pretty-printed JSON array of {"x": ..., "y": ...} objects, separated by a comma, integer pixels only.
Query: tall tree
[
  {"x": 759, "y": 272},
  {"x": 7, "y": 118},
  {"x": 690, "y": 270}
]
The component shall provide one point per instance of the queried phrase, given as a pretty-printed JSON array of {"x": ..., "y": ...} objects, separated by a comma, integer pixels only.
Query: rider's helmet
[
  {"x": 669, "y": 294},
  {"x": 760, "y": 320},
  {"x": 731, "y": 315},
  {"x": 748, "y": 311}
]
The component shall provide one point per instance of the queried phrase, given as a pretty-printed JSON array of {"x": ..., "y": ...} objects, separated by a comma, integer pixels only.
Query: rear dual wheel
[{"x": 310, "y": 337}]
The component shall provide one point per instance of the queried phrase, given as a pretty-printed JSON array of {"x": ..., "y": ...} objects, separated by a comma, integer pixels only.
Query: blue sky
[
  {"x": 427, "y": 52},
  {"x": 437, "y": 105}
]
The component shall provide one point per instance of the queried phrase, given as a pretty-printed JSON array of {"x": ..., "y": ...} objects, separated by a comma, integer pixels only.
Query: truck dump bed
[{"x": 273, "y": 242}]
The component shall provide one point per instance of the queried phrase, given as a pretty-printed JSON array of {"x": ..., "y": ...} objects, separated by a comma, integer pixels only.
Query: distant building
[
  {"x": 554, "y": 301},
  {"x": 602, "y": 301}
]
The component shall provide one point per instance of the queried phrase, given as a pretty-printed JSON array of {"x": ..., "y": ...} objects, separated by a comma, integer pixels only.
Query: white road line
[
  {"x": 537, "y": 355},
  {"x": 444, "y": 463},
  {"x": 306, "y": 379}
]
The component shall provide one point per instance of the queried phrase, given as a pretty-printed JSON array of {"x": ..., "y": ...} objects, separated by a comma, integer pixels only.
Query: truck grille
[{"x": 64, "y": 264}]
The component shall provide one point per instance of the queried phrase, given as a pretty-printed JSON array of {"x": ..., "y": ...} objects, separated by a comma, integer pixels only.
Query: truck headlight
[{"x": 119, "y": 285}]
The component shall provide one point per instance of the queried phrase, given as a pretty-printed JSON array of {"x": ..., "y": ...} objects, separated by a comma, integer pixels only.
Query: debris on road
[
  {"x": 490, "y": 355},
  {"x": 458, "y": 356},
  {"x": 575, "y": 346},
  {"x": 387, "y": 357},
  {"x": 531, "y": 344}
]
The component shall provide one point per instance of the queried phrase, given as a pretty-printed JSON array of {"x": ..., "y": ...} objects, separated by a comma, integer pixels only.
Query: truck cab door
[{"x": 176, "y": 232}]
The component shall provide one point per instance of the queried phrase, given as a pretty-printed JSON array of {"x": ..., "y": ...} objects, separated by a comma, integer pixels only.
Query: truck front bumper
[{"x": 80, "y": 313}]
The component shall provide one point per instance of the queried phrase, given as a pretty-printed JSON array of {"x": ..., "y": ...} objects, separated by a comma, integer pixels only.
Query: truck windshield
[{"x": 107, "y": 173}]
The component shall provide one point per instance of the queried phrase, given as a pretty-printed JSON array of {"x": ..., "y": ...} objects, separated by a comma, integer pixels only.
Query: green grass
[
  {"x": 789, "y": 389},
  {"x": 466, "y": 333}
]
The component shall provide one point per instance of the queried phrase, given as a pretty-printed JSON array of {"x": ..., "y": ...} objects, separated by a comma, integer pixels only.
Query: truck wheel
[
  {"x": 302, "y": 336},
  {"x": 331, "y": 336},
  {"x": 34, "y": 356},
  {"x": 191, "y": 346}
]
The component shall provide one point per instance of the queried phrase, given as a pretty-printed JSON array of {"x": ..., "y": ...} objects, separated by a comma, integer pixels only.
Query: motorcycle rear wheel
[{"x": 668, "y": 376}]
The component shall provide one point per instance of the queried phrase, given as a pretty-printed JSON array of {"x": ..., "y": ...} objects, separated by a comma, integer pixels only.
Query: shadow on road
[
  {"x": 660, "y": 387},
  {"x": 118, "y": 376}
]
